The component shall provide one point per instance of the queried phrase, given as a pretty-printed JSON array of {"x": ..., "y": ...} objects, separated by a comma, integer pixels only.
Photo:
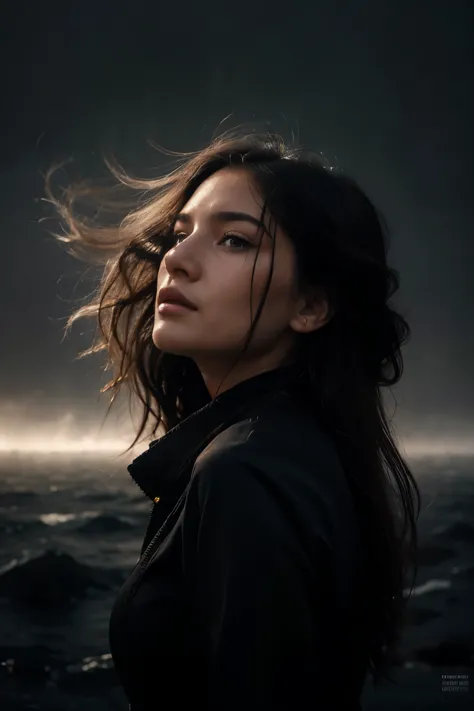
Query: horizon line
[{"x": 413, "y": 447}]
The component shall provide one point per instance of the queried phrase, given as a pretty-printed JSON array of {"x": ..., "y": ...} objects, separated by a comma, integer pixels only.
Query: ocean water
[{"x": 71, "y": 529}]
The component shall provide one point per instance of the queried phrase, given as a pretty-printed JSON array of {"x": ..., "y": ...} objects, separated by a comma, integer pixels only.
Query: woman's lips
[{"x": 171, "y": 308}]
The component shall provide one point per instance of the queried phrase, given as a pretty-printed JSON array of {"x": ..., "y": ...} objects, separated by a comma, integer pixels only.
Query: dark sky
[{"x": 383, "y": 88}]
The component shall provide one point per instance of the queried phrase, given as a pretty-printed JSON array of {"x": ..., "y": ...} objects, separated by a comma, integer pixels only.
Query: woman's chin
[{"x": 169, "y": 344}]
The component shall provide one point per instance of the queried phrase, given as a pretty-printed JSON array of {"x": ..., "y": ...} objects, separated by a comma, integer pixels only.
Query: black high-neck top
[{"x": 247, "y": 594}]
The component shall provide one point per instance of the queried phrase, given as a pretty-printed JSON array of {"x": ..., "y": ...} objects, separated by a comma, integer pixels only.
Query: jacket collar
[{"x": 157, "y": 470}]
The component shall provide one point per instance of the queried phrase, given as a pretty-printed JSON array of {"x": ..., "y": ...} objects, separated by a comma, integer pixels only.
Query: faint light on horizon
[
  {"x": 64, "y": 445},
  {"x": 414, "y": 448}
]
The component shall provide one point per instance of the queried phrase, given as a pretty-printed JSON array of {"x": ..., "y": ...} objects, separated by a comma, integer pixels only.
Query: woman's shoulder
[
  {"x": 281, "y": 442},
  {"x": 284, "y": 457},
  {"x": 279, "y": 424}
]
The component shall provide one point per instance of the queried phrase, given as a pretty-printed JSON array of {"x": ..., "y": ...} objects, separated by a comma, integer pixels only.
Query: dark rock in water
[
  {"x": 432, "y": 555},
  {"x": 52, "y": 579},
  {"x": 105, "y": 524},
  {"x": 455, "y": 653}
]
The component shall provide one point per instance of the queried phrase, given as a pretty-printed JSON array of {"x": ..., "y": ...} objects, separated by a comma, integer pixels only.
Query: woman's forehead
[
  {"x": 231, "y": 195},
  {"x": 229, "y": 189}
]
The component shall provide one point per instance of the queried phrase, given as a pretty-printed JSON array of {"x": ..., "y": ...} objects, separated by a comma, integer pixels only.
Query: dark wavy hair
[{"x": 341, "y": 244}]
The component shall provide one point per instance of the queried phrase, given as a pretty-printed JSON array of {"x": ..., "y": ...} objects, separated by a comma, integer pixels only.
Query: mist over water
[{"x": 72, "y": 433}]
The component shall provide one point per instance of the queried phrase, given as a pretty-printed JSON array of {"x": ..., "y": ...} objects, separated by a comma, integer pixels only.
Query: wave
[
  {"x": 53, "y": 579},
  {"x": 106, "y": 524},
  {"x": 55, "y": 519},
  {"x": 429, "y": 587}
]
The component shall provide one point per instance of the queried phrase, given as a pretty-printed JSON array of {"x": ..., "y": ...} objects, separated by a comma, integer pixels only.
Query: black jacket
[{"x": 246, "y": 595}]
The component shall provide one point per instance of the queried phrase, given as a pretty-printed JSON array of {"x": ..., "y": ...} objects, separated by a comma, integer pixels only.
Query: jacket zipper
[
  {"x": 147, "y": 497},
  {"x": 149, "y": 549},
  {"x": 147, "y": 553}
]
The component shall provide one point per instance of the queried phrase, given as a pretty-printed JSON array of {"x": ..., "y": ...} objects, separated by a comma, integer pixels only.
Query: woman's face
[{"x": 211, "y": 265}]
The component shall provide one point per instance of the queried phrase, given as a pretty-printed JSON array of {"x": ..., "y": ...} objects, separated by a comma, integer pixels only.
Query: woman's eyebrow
[{"x": 226, "y": 216}]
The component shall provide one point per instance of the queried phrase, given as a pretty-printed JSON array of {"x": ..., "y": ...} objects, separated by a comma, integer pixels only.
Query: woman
[{"x": 246, "y": 304}]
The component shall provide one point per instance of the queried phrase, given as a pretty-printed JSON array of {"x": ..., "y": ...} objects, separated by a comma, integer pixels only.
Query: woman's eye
[{"x": 242, "y": 243}]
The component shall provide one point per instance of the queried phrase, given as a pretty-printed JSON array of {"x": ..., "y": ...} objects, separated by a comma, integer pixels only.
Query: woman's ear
[{"x": 312, "y": 312}]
